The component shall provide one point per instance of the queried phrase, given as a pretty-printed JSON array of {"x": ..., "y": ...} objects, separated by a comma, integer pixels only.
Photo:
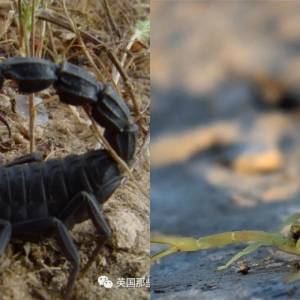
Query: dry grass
[{"x": 106, "y": 43}]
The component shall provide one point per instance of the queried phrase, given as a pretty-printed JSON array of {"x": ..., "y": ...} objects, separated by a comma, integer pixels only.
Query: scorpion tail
[
  {"x": 76, "y": 86},
  {"x": 113, "y": 114}
]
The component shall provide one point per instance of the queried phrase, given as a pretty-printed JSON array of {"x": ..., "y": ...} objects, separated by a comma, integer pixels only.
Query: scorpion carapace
[{"x": 39, "y": 199}]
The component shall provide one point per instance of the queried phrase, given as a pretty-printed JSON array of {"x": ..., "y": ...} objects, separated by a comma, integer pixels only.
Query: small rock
[
  {"x": 244, "y": 268},
  {"x": 126, "y": 227}
]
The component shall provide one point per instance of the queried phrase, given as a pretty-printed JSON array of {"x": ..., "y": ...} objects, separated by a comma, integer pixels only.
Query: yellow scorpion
[{"x": 286, "y": 239}]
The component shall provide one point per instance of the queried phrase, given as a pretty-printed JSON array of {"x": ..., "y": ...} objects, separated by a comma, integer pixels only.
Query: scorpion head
[{"x": 103, "y": 174}]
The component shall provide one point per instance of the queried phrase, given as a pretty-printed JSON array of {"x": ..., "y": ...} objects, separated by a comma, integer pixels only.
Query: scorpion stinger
[{"x": 40, "y": 199}]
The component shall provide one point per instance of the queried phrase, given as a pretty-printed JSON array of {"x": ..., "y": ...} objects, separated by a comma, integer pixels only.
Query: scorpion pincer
[{"x": 45, "y": 199}]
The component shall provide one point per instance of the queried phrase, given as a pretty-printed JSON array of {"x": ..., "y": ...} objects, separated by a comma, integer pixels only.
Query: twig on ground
[{"x": 111, "y": 19}]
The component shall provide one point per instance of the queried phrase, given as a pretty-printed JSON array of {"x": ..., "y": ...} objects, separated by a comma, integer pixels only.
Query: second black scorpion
[{"x": 45, "y": 199}]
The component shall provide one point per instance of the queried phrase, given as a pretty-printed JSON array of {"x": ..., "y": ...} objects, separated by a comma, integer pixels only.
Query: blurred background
[{"x": 225, "y": 145}]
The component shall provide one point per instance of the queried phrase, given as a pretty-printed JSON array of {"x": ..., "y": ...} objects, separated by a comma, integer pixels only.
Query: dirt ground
[
  {"x": 39, "y": 271},
  {"x": 225, "y": 140}
]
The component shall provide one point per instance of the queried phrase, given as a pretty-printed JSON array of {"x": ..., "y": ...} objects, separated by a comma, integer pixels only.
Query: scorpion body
[{"x": 44, "y": 199}]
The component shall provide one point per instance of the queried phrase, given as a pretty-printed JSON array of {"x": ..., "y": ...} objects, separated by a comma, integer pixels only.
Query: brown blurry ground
[
  {"x": 38, "y": 271},
  {"x": 225, "y": 140}
]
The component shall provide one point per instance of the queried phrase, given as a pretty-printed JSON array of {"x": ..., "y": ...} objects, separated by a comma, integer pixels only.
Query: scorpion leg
[
  {"x": 87, "y": 202},
  {"x": 5, "y": 234},
  {"x": 248, "y": 250},
  {"x": 28, "y": 158},
  {"x": 54, "y": 226}
]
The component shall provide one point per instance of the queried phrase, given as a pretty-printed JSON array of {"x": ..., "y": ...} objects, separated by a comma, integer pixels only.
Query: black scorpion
[{"x": 45, "y": 199}]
